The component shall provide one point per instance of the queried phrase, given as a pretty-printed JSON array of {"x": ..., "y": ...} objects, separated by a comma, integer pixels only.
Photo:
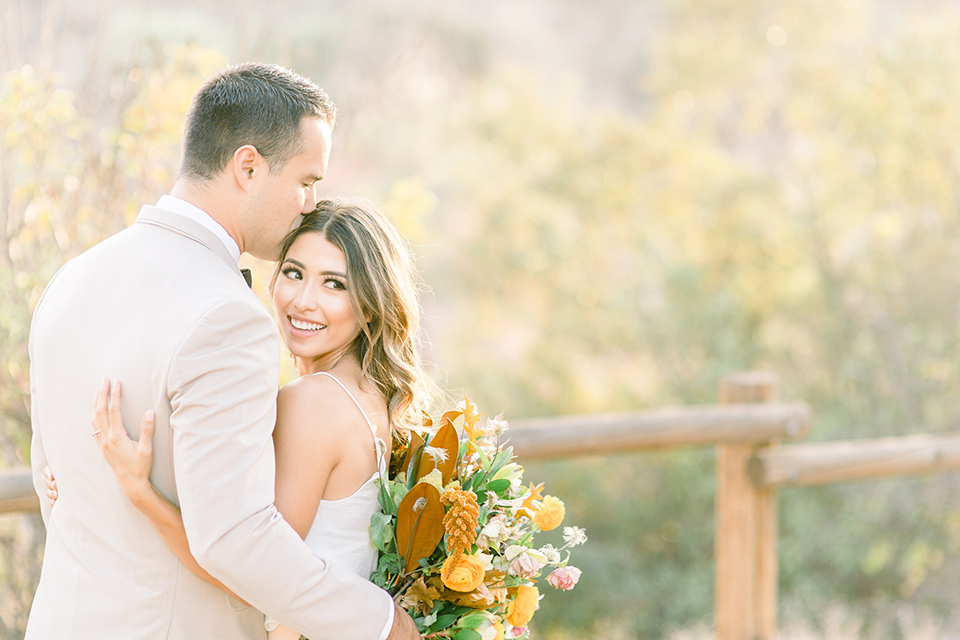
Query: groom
[{"x": 162, "y": 306}]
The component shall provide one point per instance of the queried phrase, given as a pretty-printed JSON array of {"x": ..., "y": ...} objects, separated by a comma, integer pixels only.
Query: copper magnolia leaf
[
  {"x": 414, "y": 449},
  {"x": 450, "y": 416},
  {"x": 419, "y": 524},
  {"x": 446, "y": 440}
]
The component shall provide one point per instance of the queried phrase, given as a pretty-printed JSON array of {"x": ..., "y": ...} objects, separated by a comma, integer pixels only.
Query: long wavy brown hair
[{"x": 384, "y": 285}]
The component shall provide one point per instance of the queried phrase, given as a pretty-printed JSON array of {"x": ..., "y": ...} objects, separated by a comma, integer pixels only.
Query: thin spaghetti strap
[
  {"x": 347, "y": 391},
  {"x": 379, "y": 445}
]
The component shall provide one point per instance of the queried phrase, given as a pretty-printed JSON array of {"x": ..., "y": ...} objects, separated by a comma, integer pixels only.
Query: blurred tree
[{"x": 786, "y": 200}]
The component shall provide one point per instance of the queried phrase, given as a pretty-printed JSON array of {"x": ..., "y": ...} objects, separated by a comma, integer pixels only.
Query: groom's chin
[{"x": 265, "y": 253}]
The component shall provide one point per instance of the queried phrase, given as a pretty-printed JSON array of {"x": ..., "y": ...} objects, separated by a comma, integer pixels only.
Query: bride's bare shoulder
[{"x": 315, "y": 403}]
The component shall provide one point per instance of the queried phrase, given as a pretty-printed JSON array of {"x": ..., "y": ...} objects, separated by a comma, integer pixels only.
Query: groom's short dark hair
[{"x": 256, "y": 104}]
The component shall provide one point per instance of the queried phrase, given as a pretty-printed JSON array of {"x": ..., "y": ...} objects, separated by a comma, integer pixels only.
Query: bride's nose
[{"x": 307, "y": 298}]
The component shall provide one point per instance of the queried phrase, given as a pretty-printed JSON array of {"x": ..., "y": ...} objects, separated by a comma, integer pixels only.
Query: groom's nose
[{"x": 310, "y": 201}]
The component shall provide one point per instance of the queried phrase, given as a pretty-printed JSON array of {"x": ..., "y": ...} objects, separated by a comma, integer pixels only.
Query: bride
[{"x": 345, "y": 297}]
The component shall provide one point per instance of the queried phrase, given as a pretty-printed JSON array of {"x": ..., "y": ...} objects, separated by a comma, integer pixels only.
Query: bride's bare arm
[
  {"x": 131, "y": 462},
  {"x": 307, "y": 449}
]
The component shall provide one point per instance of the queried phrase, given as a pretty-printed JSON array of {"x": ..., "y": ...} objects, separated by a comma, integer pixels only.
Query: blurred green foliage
[{"x": 777, "y": 190}]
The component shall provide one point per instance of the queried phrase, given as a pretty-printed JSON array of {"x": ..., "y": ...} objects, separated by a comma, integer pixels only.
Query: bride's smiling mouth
[{"x": 304, "y": 325}]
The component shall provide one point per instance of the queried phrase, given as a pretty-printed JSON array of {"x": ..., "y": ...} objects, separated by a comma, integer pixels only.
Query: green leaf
[
  {"x": 444, "y": 621},
  {"x": 501, "y": 459},
  {"x": 384, "y": 497},
  {"x": 484, "y": 460},
  {"x": 498, "y": 486},
  {"x": 381, "y": 530},
  {"x": 473, "y": 620},
  {"x": 466, "y": 634}
]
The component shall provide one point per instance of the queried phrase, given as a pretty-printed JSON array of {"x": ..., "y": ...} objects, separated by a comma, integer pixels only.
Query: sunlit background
[{"x": 613, "y": 203}]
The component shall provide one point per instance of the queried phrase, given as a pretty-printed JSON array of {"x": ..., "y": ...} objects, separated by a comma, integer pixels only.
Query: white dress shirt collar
[{"x": 198, "y": 215}]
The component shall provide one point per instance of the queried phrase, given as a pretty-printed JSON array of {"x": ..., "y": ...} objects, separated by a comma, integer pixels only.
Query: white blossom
[
  {"x": 486, "y": 559},
  {"x": 497, "y": 426},
  {"x": 574, "y": 536},
  {"x": 439, "y": 454},
  {"x": 551, "y": 554}
]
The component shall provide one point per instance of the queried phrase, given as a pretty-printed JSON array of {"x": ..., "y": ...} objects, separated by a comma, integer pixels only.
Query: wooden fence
[{"x": 746, "y": 426}]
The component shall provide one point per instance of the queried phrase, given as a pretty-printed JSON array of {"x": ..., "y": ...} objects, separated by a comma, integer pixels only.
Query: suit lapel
[{"x": 186, "y": 227}]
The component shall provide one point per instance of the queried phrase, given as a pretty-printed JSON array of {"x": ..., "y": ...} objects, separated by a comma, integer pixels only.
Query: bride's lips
[{"x": 304, "y": 328}]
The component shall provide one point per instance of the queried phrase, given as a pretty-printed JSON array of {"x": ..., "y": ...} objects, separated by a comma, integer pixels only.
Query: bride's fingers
[
  {"x": 115, "y": 432},
  {"x": 99, "y": 420},
  {"x": 51, "y": 483},
  {"x": 147, "y": 424}
]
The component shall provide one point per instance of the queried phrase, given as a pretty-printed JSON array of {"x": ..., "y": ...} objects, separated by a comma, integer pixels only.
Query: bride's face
[{"x": 312, "y": 303}]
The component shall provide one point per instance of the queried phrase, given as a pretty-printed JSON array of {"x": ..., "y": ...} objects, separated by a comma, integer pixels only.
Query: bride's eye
[
  {"x": 335, "y": 283},
  {"x": 292, "y": 272}
]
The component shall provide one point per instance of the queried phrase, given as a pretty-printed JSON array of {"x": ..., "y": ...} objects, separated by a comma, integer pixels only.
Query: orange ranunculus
[
  {"x": 550, "y": 514},
  {"x": 462, "y": 573},
  {"x": 520, "y": 610}
]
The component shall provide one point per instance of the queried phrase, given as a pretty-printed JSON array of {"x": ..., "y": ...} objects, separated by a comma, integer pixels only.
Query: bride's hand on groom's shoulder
[
  {"x": 52, "y": 492},
  {"x": 130, "y": 460}
]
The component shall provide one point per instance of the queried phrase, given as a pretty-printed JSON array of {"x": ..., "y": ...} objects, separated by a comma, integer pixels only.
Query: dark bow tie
[{"x": 247, "y": 277}]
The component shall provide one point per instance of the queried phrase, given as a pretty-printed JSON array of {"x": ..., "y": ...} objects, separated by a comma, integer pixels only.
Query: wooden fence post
[{"x": 745, "y": 599}]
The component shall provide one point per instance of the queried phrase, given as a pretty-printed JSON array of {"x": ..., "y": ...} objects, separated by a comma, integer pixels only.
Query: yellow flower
[
  {"x": 529, "y": 503},
  {"x": 492, "y": 630},
  {"x": 462, "y": 572},
  {"x": 520, "y": 610},
  {"x": 550, "y": 514}
]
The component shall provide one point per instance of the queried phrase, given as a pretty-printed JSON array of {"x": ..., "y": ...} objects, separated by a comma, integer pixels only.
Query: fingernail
[{"x": 149, "y": 415}]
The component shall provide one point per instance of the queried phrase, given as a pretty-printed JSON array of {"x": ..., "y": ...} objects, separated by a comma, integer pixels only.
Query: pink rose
[
  {"x": 564, "y": 578},
  {"x": 524, "y": 565}
]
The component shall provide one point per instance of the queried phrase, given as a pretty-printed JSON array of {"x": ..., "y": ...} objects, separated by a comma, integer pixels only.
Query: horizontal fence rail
[
  {"x": 542, "y": 438},
  {"x": 686, "y": 426},
  {"x": 830, "y": 462},
  {"x": 16, "y": 491}
]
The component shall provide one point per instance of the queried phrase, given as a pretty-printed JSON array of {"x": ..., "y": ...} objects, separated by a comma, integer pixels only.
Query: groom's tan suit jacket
[{"x": 162, "y": 307}]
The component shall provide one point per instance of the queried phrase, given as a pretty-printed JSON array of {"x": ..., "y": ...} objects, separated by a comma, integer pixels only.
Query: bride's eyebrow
[{"x": 295, "y": 263}]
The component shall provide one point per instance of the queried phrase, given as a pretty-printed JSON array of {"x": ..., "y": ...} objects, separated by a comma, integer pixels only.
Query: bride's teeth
[{"x": 305, "y": 326}]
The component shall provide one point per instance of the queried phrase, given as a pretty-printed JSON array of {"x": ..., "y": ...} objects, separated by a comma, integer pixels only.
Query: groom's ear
[{"x": 247, "y": 165}]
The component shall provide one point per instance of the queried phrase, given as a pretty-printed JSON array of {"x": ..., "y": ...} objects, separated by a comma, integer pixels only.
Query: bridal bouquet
[{"x": 456, "y": 536}]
